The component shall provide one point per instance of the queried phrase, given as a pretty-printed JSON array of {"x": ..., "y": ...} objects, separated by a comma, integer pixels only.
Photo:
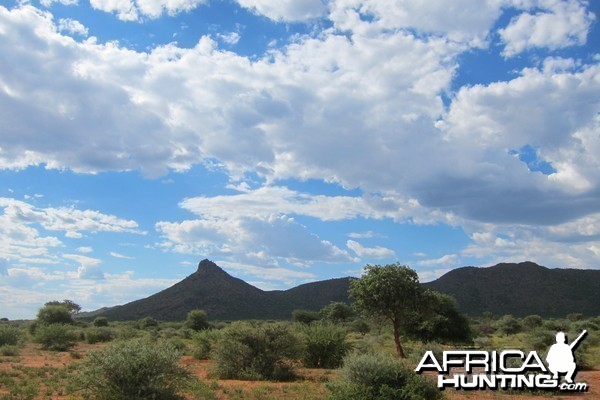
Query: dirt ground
[{"x": 44, "y": 367}]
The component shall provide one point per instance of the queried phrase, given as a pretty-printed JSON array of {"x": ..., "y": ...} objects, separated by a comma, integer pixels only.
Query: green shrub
[
  {"x": 100, "y": 321},
  {"x": 54, "y": 314},
  {"x": 359, "y": 326},
  {"x": 55, "y": 337},
  {"x": 305, "y": 316},
  {"x": 9, "y": 350},
  {"x": 325, "y": 345},
  {"x": 133, "y": 370},
  {"x": 96, "y": 335},
  {"x": 197, "y": 320},
  {"x": 148, "y": 322},
  {"x": 248, "y": 350},
  {"x": 508, "y": 325},
  {"x": 204, "y": 342},
  {"x": 532, "y": 321},
  {"x": 380, "y": 377},
  {"x": 9, "y": 335}
]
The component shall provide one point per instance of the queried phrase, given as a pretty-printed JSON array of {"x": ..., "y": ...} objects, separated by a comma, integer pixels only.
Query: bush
[
  {"x": 359, "y": 326},
  {"x": 255, "y": 351},
  {"x": 204, "y": 342},
  {"x": 508, "y": 325},
  {"x": 325, "y": 345},
  {"x": 197, "y": 320},
  {"x": 148, "y": 322},
  {"x": 55, "y": 337},
  {"x": 9, "y": 350},
  {"x": 133, "y": 370},
  {"x": 100, "y": 321},
  {"x": 305, "y": 316},
  {"x": 96, "y": 335},
  {"x": 380, "y": 377},
  {"x": 337, "y": 311},
  {"x": 54, "y": 314},
  {"x": 9, "y": 335},
  {"x": 532, "y": 321}
]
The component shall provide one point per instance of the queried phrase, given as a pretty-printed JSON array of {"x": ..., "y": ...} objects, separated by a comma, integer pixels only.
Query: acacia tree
[{"x": 392, "y": 292}]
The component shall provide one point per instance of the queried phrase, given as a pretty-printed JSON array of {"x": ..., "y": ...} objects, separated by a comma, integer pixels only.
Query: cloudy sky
[{"x": 291, "y": 140}]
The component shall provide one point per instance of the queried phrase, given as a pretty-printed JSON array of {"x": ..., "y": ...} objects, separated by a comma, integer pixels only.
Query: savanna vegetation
[{"x": 366, "y": 350}]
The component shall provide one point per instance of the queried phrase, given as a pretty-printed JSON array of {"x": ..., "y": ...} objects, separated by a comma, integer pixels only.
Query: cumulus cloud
[
  {"x": 377, "y": 252},
  {"x": 24, "y": 230},
  {"x": 48, "y": 3},
  {"x": 266, "y": 200},
  {"x": 136, "y": 10},
  {"x": 72, "y": 26},
  {"x": 448, "y": 260},
  {"x": 360, "y": 104},
  {"x": 268, "y": 239},
  {"x": 286, "y": 10},
  {"x": 554, "y": 25}
]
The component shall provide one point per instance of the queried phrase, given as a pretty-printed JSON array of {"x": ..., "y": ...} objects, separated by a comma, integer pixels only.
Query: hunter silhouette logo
[
  {"x": 560, "y": 357},
  {"x": 508, "y": 369}
]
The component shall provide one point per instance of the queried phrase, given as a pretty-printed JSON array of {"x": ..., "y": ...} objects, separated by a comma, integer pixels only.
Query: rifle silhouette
[{"x": 575, "y": 342}]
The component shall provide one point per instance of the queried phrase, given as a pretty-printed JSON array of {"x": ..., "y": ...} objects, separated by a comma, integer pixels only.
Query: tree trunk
[{"x": 399, "y": 349}]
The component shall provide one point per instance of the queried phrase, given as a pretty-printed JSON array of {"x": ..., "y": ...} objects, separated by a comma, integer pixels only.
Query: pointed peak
[{"x": 207, "y": 266}]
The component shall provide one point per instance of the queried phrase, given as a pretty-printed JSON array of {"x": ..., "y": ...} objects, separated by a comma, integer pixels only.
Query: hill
[
  {"x": 522, "y": 289},
  {"x": 224, "y": 297}
]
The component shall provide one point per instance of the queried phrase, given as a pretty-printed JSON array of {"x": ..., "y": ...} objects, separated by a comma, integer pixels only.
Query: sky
[{"x": 291, "y": 141}]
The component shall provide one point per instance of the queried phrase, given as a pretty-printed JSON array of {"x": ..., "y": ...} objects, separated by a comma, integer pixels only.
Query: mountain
[
  {"x": 224, "y": 297},
  {"x": 519, "y": 289},
  {"x": 522, "y": 289}
]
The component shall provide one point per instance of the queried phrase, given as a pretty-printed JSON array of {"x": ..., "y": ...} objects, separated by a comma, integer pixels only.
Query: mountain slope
[{"x": 522, "y": 289}]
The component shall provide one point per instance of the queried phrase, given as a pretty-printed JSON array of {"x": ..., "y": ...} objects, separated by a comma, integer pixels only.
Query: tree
[
  {"x": 440, "y": 320},
  {"x": 72, "y": 307},
  {"x": 197, "y": 320},
  {"x": 53, "y": 313},
  {"x": 392, "y": 292},
  {"x": 337, "y": 311}
]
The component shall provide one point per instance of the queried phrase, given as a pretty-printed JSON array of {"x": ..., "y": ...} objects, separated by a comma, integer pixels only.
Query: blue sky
[{"x": 291, "y": 141}]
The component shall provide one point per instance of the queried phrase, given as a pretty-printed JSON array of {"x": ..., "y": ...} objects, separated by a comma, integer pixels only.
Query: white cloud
[
  {"x": 230, "y": 38},
  {"x": 363, "y": 235},
  {"x": 84, "y": 249},
  {"x": 376, "y": 252},
  {"x": 362, "y": 108},
  {"x": 48, "y": 3},
  {"x": 125, "y": 10},
  {"x": 24, "y": 228},
  {"x": 118, "y": 255},
  {"x": 72, "y": 26},
  {"x": 267, "y": 200},
  {"x": 286, "y": 10},
  {"x": 448, "y": 260},
  {"x": 470, "y": 20},
  {"x": 135, "y": 10},
  {"x": 555, "y": 24},
  {"x": 272, "y": 274},
  {"x": 272, "y": 238},
  {"x": 90, "y": 272}
]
